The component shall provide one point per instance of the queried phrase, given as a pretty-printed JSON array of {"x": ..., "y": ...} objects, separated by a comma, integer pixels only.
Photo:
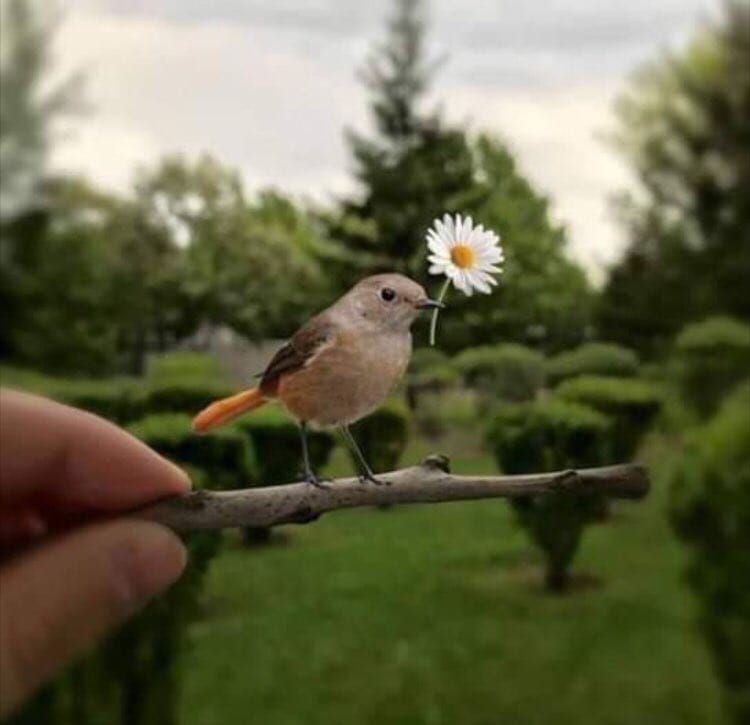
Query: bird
[{"x": 338, "y": 367}]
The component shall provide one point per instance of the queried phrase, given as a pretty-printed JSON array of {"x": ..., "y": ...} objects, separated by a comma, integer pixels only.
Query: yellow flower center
[{"x": 463, "y": 256}]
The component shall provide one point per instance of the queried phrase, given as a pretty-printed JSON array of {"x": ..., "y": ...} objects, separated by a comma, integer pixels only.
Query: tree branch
[{"x": 430, "y": 482}]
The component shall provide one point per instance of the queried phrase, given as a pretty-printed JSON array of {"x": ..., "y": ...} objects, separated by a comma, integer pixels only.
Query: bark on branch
[{"x": 430, "y": 482}]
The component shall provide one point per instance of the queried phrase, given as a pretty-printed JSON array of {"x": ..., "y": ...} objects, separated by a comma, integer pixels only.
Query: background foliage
[{"x": 414, "y": 616}]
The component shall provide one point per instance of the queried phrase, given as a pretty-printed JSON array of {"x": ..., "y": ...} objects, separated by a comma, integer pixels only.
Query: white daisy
[{"x": 468, "y": 255}]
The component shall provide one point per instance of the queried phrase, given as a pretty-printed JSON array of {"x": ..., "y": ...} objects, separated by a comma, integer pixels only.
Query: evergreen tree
[
  {"x": 543, "y": 298},
  {"x": 29, "y": 103},
  {"x": 413, "y": 168},
  {"x": 685, "y": 127}
]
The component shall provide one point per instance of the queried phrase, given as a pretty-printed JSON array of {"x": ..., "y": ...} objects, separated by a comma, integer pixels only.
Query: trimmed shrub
[
  {"x": 632, "y": 405},
  {"x": 187, "y": 396},
  {"x": 509, "y": 372},
  {"x": 593, "y": 358},
  {"x": 382, "y": 436},
  {"x": 121, "y": 400},
  {"x": 426, "y": 357},
  {"x": 118, "y": 399},
  {"x": 275, "y": 440},
  {"x": 711, "y": 358},
  {"x": 183, "y": 365},
  {"x": 549, "y": 436},
  {"x": 223, "y": 455},
  {"x": 430, "y": 371},
  {"x": 710, "y": 511}
]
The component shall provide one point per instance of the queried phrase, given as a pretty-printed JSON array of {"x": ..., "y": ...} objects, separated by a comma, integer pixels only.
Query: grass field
[{"x": 435, "y": 615}]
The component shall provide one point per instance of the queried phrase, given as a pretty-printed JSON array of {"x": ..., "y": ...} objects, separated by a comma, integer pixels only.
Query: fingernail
[{"x": 147, "y": 563}]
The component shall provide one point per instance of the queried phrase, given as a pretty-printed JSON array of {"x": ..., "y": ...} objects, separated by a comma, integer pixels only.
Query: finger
[
  {"x": 57, "y": 601},
  {"x": 85, "y": 460}
]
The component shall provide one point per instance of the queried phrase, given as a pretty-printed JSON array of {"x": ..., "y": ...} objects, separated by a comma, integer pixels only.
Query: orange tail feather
[{"x": 226, "y": 409}]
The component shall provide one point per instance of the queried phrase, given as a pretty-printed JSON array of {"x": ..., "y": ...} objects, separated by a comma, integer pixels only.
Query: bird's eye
[{"x": 388, "y": 294}]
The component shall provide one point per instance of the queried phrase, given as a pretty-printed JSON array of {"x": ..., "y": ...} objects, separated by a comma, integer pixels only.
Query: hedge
[
  {"x": 632, "y": 405},
  {"x": 710, "y": 511},
  {"x": 506, "y": 372},
  {"x": 275, "y": 441},
  {"x": 593, "y": 358},
  {"x": 546, "y": 436},
  {"x": 224, "y": 455},
  {"x": 382, "y": 436},
  {"x": 121, "y": 400},
  {"x": 711, "y": 357},
  {"x": 183, "y": 365},
  {"x": 184, "y": 395}
]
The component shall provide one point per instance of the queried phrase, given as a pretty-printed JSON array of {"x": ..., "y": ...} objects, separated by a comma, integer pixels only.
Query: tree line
[{"x": 92, "y": 281}]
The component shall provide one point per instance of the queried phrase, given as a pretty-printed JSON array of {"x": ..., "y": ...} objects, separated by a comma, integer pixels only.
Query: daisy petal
[
  {"x": 437, "y": 245},
  {"x": 478, "y": 283},
  {"x": 488, "y": 278}
]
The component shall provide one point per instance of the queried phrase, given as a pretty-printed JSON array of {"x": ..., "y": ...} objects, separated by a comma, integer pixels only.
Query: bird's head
[{"x": 389, "y": 301}]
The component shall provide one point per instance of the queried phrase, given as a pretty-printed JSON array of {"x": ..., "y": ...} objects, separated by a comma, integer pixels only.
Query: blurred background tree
[
  {"x": 684, "y": 129},
  {"x": 414, "y": 168},
  {"x": 97, "y": 284},
  {"x": 32, "y": 102},
  {"x": 544, "y": 298}
]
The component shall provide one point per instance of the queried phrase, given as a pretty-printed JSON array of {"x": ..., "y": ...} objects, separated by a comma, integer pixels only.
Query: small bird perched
[{"x": 339, "y": 366}]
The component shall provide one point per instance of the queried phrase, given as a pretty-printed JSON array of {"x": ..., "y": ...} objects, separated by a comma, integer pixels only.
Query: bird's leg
[
  {"x": 310, "y": 476},
  {"x": 366, "y": 472}
]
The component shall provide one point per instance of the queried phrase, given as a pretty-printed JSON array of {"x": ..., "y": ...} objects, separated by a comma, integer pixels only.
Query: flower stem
[{"x": 433, "y": 323}]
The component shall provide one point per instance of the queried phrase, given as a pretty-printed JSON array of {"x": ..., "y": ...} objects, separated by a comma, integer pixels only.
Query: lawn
[{"x": 434, "y": 614}]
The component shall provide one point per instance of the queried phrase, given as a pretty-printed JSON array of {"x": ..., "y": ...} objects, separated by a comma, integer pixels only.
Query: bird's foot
[
  {"x": 370, "y": 477},
  {"x": 313, "y": 480}
]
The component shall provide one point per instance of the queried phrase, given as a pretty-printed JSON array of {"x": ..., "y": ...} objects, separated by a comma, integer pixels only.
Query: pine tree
[
  {"x": 413, "y": 168},
  {"x": 29, "y": 103}
]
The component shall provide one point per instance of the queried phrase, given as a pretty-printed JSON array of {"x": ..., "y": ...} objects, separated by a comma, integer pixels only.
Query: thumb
[{"x": 58, "y": 600}]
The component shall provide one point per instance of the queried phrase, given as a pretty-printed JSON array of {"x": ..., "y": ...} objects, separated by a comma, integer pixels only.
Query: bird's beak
[{"x": 428, "y": 304}]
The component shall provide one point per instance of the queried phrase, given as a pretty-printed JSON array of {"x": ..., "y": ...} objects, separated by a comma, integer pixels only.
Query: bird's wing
[{"x": 303, "y": 346}]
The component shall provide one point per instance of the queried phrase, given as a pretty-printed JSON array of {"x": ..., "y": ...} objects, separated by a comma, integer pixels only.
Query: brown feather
[{"x": 297, "y": 353}]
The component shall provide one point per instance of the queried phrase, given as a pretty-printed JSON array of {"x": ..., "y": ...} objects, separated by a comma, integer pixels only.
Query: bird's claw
[
  {"x": 313, "y": 480},
  {"x": 371, "y": 478}
]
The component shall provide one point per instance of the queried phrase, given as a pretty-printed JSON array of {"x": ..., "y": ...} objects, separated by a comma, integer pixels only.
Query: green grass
[{"x": 434, "y": 614}]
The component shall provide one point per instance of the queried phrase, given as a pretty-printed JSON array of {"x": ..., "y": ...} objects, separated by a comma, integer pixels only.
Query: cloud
[{"x": 269, "y": 88}]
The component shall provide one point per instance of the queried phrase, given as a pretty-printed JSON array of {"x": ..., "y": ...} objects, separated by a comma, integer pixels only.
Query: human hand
[{"x": 65, "y": 581}]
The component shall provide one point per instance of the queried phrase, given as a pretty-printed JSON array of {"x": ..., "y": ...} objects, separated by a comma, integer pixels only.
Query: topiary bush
[
  {"x": 224, "y": 455},
  {"x": 710, "y": 358},
  {"x": 185, "y": 395},
  {"x": 508, "y": 372},
  {"x": 382, "y": 436},
  {"x": 118, "y": 399},
  {"x": 430, "y": 376},
  {"x": 121, "y": 400},
  {"x": 548, "y": 436},
  {"x": 631, "y": 404},
  {"x": 275, "y": 441},
  {"x": 593, "y": 358},
  {"x": 710, "y": 511},
  {"x": 183, "y": 365}
]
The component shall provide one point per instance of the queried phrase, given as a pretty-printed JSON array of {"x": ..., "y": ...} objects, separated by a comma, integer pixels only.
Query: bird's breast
[{"x": 347, "y": 379}]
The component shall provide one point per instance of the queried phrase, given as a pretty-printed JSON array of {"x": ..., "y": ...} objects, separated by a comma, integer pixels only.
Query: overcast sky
[{"x": 268, "y": 86}]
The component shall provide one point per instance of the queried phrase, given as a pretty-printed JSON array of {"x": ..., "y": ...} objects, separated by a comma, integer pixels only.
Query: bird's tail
[{"x": 227, "y": 409}]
